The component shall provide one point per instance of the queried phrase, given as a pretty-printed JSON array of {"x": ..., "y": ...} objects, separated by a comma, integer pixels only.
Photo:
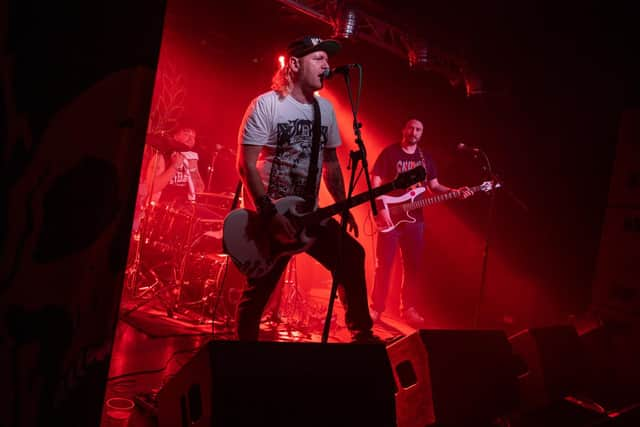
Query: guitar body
[
  {"x": 246, "y": 238},
  {"x": 397, "y": 212}
]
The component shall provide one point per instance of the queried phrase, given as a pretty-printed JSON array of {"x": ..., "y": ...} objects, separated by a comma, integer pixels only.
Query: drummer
[
  {"x": 173, "y": 174},
  {"x": 170, "y": 171}
]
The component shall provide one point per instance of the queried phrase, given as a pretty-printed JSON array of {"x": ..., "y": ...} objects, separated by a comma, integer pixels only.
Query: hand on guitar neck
[{"x": 463, "y": 192}]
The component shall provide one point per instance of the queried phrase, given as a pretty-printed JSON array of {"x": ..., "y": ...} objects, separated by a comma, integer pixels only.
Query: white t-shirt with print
[{"x": 283, "y": 127}]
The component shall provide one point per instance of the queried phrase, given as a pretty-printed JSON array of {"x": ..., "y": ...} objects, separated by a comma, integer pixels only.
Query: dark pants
[
  {"x": 351, "y": 277},
  {"x": 410, "y": 238}
]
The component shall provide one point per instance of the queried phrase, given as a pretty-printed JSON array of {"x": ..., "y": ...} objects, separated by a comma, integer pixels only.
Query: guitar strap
[
  {"x": 312, "y": 176},
  {"x": 424, "y": 164}
]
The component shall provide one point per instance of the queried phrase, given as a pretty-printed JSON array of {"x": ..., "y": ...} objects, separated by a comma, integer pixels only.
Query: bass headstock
[{"x": 489, "y": 185}]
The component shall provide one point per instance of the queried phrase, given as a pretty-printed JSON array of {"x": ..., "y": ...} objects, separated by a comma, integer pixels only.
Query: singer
[
  {"x": 277, "y": 139},
  {"x": 406, "y": 232}
]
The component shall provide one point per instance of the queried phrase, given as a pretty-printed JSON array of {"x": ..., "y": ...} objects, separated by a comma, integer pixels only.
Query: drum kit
[
  {"x": 176, "y": 254},
  {"x": 177, "y": 258}
]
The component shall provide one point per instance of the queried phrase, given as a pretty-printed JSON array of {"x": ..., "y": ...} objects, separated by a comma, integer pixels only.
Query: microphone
[
  {"x": 342, "y": 69},
  {"x": 464, "y": 147}
]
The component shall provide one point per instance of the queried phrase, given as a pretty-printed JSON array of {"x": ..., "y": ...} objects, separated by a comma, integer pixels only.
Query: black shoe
[{"x": 365, "y": 337}]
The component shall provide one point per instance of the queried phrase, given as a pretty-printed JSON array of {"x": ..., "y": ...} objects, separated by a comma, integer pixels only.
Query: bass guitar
[
  {"x": 254, "y": 250},
  {"x": 400, "y": 207}
]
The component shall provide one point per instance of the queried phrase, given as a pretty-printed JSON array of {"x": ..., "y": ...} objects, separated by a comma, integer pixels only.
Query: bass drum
[
  {"x": 211, "y": 279},
  {"x": 167, "y": 230}
]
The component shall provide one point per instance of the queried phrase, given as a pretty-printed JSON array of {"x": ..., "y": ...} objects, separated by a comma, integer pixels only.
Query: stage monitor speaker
[
  {"x": 230, "y": 383},
  {"x": 453, "y": 377},
  {"x": 555, "y": 364}
]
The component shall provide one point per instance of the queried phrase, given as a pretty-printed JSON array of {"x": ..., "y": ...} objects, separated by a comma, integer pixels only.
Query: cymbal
[
  {"x": 227, "y": 196},
  {"x": 210, "y": 221},
  {"x": 165, "y": 144}
]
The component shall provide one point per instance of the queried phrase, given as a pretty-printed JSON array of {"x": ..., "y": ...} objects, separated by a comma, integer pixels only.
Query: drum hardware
[
  {"x": 183, "y": 248},
  {"x": 185, "y": 253},
  {"x": 292, "y": 309},
  {"x": 202, "y": 292},
  {"x": 159, "y": 288},
  {"x": 189, "y": 279}
]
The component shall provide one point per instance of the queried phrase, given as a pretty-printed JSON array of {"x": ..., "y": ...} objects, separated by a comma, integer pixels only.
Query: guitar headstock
[
  {"x": 410, "y": 177},
  {"x": 489, "y": 185}
]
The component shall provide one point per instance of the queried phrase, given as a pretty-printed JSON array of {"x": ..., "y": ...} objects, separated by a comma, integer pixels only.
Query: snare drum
[{"x": 216, "y": 200}]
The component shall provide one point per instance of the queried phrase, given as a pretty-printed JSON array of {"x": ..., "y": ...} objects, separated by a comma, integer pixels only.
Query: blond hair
[{"x": 282, "y": 80}]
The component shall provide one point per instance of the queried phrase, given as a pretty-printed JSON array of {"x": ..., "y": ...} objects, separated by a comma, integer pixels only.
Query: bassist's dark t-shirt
[{"x": 393, "y": 160}]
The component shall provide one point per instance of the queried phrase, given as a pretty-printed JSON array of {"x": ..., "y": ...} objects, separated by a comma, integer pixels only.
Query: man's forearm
[
  {"x": 334, "y": 180},
  {"x": 248, "y": 171},
  {"x": 252, "y": 182}
]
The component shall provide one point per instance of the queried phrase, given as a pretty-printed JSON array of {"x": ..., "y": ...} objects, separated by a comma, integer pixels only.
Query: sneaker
[
  {"x": 412, "y": 317},
  {"x": 375, "y": 315},
  {"x": 365, "y": 337}
]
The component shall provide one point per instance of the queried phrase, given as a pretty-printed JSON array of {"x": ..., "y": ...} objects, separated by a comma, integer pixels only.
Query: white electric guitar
[
  {"x": 400, "y": 207},
  {"x": 253, "y": 248}
]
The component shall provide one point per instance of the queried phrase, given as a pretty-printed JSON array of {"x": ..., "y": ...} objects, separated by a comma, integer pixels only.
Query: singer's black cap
[{"x": 308, "y": 44}]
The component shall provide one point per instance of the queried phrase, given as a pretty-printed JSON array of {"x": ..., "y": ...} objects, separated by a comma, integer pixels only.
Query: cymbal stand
[
  {"x": 212, "y": 296},
  {"x": 296, "y": 311},
  {"x": 214, "y": 156},
  {"x": 135, "y": 268},
  {"x": 184, "y": 250}
]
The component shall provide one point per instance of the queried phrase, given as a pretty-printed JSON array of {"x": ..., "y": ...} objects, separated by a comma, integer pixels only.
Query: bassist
[{"x": 408, "y": 235}]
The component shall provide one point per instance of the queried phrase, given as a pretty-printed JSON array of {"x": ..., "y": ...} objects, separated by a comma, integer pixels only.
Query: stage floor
[{"x": 150, "y": 347}]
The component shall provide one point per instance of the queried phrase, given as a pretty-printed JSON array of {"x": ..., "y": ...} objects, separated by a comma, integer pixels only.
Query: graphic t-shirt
[
  {"x": 180, "y": 189},
  {"x": 283, "y": 127},
  {"x": 393, "y": 160}
]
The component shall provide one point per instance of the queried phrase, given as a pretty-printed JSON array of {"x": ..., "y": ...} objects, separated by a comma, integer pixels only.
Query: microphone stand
[
  {"x": 355, "y": 156},
  {"x": 485, "y": 256}
]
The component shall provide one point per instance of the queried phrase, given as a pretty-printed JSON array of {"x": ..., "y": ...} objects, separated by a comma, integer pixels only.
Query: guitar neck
[
  {"x": 329, "y": 211},
  {"x": 435, "y": 199}
]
